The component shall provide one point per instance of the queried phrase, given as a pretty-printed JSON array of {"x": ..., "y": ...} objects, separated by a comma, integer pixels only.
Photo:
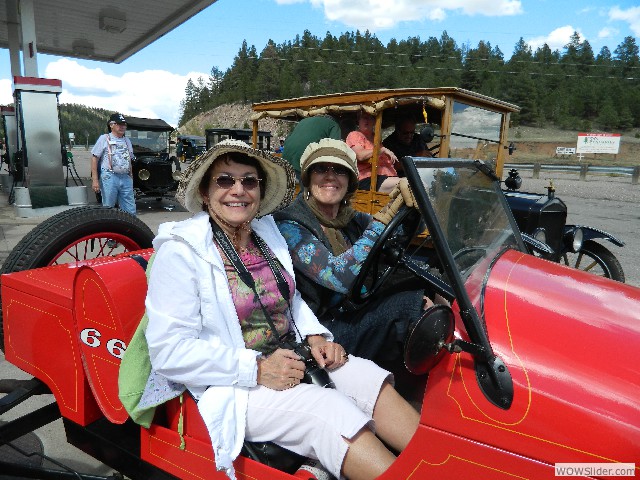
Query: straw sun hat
[{"x": 280, "y": 181}]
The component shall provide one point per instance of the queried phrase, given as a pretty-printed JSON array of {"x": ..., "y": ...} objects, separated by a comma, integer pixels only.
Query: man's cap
[{"x": 117, "y": 118}]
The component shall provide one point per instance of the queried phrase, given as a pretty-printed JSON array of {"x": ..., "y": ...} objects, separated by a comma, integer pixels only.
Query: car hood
[{"x": 571, "y": 341}]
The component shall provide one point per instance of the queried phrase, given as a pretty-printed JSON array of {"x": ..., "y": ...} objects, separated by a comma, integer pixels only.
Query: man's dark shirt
[{"x": 402, "y": 150}]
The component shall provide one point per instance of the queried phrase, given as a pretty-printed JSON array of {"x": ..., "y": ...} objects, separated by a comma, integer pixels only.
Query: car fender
[{"x": 591, "y": 233}]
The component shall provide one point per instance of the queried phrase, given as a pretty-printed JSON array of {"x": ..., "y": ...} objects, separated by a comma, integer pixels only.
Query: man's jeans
[{"x": 117, "y": 188}]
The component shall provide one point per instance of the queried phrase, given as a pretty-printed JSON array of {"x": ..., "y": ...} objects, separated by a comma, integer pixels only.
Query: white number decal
[
  {"x": 91, "y": 338},
  {"x": 116, "y": 347}
]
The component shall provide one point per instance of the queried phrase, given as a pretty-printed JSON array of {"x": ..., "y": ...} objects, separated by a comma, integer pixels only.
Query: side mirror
[
  {"x": 424, "y": 344},
  {"x": 427, "y": 134}
]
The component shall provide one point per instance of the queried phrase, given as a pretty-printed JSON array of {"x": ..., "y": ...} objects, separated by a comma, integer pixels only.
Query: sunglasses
[
  {"x": 323, "y": 168},
  {"x": 227, "y": 181}
]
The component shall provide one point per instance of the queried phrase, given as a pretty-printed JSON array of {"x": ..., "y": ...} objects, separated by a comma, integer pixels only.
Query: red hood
[{"x": 571, "y": 341}]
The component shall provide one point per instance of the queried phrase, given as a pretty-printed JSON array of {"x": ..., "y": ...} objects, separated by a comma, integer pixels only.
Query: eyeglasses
[
  {"x": 323, "y": 168},
  {"x": 227, "y": 181}
]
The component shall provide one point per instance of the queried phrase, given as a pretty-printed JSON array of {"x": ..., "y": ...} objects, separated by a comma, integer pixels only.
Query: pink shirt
[{"x": 385, "y": 167}]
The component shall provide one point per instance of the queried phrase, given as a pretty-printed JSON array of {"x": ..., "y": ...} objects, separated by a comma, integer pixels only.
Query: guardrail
[{"x": 582, "y": 170}]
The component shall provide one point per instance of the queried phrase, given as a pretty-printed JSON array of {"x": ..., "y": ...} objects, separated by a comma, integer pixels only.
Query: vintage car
[
  {"x": 155, "y": 174},
  {"x": 460, "y": 123},
  {"x": 215, "y": 135},
  {"x": 188, "y": 147},
  {"x": 533, "y": 366}
]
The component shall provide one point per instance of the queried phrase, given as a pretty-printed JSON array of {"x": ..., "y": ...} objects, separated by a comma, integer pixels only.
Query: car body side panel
[{"x": 576, "y": 395}]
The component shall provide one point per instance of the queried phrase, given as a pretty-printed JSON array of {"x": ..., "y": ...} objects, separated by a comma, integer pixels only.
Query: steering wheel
[{"x": 384, "y": 255}]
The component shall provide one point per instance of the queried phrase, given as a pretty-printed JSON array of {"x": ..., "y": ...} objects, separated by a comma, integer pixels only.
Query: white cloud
[
  {"x": 557, "y": 39},
  {"x": 149, "y": 93},
  {"x": 607, "y": 32},
  {"x": 374, "y": 15},
  {"x": 630, "y": 15}
]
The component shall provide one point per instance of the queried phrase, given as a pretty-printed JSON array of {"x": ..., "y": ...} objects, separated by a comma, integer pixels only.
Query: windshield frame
[{"x": 468, "y": 312}]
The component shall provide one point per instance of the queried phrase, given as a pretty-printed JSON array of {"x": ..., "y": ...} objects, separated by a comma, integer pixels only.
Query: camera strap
[{"x": 229, "y": 250}]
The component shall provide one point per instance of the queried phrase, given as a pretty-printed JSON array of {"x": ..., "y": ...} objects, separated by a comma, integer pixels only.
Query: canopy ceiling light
[
  {"x": 83, "y": 48},
  {"x": 113, "y": 21}
]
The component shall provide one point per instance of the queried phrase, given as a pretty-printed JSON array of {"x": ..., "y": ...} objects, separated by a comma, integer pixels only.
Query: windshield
[
  {"x": 472, "y": 213},
  {"x": 144, "y": 141},
  {"x": 475, "y": 133}
]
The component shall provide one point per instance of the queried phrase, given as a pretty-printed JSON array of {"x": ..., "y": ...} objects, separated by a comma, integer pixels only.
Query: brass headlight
[{"x": 177, "y": 175}]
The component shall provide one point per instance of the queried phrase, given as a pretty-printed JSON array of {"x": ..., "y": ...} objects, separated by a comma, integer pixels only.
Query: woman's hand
[
  {"x": 281, "y": 370},
  {"x": 329, "y": 355}
]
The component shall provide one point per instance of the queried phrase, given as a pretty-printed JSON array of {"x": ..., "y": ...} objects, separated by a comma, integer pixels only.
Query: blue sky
[{"x": 151, "y": 83}]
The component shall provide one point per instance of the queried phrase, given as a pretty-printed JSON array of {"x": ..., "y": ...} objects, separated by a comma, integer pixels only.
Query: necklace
[{"x": 236, "y": 229}]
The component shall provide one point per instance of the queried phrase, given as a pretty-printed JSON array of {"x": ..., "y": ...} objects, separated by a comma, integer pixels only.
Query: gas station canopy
[{"x": 103, "y": 30}]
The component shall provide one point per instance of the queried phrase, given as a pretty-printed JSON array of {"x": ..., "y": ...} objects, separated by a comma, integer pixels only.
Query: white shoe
[{"x": 315, "y": 468}]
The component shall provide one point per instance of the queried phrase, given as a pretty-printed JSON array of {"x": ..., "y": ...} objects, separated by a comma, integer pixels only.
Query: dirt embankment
[{"x": 532, "y": 144}]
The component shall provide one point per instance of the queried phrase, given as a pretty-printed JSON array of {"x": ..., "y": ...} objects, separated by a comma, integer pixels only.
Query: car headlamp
[
  {"x": 144, "y": 174},
  {"x": 540, "y": 234},
  {"x": 578, "y": 236}
]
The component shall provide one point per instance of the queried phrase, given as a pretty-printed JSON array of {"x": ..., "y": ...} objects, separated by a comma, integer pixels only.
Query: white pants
[{"x": 314, "y": 421}]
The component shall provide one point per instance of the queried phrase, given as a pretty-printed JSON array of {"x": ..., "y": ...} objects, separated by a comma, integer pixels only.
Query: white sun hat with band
[
  {"x": 328, "y": 150},
  {"x": 280, "y": 181}
]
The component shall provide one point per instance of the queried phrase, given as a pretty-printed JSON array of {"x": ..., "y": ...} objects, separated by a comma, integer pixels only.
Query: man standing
[{"x": 111, "y": 166}]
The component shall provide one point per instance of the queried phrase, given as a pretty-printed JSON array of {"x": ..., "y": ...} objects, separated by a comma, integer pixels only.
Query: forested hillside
[
  {"x": 573, "y": 88},
  {"x": 87, "y": 123}
]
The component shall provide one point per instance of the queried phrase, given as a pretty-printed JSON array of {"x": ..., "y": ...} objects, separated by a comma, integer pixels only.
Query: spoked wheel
[
  {"x": 75, "y": 235},
  {"x": 596, "y": 259},
  {"x": 381, "y": 261}
]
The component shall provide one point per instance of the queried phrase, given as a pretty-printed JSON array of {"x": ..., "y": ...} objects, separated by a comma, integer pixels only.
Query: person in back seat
[
  {"x": 361, "y": 141},
  {"x": 226, "y": 321}
]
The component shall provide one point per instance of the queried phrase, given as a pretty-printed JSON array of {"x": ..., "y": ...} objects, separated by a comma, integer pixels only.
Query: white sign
[
  {"x": 598, "y": 143},
  {"x": 565, "y": 151}
]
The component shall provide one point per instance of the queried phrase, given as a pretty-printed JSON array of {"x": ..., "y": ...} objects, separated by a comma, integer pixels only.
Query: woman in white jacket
[{"x": 219, "y": 332}]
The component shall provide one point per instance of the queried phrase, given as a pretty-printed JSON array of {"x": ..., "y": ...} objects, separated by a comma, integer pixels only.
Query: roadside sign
[
  {"x": 598, "y": 143},
  {"x": 565, "y": 151}
]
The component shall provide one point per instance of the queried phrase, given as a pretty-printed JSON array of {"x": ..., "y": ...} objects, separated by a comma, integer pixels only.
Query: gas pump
[
  {"x": 7, "y": 164},
  {"x": 39, "y": 181}
]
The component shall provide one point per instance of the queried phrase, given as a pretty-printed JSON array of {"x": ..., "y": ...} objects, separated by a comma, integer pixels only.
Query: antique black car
[
  {"x": 216, "y": 135},
  {"x": 188, "y": 147},
  {"x": 543, "y": 217},
  {"x": 155, "y": 174}
]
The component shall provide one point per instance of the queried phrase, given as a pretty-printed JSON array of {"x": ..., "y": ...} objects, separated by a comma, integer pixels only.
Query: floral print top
[
  {"x": 256, "y": 331},
  {"x": 315, "y": 261}
]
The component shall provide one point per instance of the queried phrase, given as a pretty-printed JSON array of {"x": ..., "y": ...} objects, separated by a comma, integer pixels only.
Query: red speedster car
[{"x": 534, "y": 365}]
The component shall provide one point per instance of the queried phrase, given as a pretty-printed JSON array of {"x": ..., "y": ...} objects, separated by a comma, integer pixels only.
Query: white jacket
[{"x": 194, "y": 333}]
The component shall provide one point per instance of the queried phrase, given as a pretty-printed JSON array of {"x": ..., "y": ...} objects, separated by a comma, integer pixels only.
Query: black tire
[
  {"x": 77, "y": 234},
  {"x": 602, "y": 261}
]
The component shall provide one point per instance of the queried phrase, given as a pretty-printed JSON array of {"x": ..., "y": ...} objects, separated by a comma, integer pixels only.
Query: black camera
[{"x": 313, "y": 372}]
